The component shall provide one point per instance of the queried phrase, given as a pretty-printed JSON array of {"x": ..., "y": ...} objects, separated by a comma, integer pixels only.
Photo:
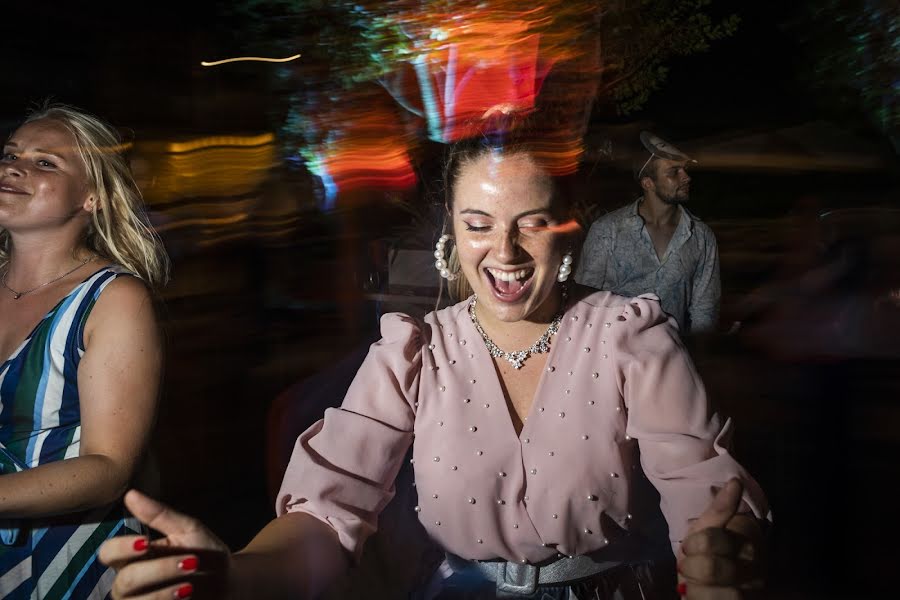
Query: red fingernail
[
  {"x": 188, "y": 564},
  {"x": 184, "y": 591},
  {"x": 141, "y": 544},
  {"x": 682, "y": 589}
]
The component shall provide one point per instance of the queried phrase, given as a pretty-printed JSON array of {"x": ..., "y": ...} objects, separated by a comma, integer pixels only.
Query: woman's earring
[
  {"x": 441, "y": 263},
  {"x": 565, "y": 268}
]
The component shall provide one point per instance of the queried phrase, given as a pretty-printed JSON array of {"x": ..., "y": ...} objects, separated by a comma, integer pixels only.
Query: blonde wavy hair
[{"x": 119, "y": 230}]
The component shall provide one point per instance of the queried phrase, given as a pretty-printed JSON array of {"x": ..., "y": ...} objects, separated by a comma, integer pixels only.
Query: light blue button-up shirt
[{"x": 619, "y": 256}]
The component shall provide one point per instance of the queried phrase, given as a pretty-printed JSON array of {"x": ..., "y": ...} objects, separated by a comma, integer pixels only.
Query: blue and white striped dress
[{"x": 40, "y": 422}]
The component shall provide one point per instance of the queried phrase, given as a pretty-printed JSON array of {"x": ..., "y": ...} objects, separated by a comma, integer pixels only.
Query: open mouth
[
  {"x": 9, "y": 189},
  {"x": 509, "y": 285}
]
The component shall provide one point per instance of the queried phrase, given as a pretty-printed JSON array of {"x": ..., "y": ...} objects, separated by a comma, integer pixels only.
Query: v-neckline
[
  {"x": 645, "y": 233},
  {"x": 498, "y": 384},
  {"x": 40, "y": 322}
]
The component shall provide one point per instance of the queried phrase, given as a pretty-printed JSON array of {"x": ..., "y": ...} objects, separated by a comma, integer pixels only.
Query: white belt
[{"x": 518, "y": 579}]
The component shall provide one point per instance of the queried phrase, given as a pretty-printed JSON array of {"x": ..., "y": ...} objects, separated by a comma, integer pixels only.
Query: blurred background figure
[
  {"x": 81, "y": 347},
  {"x": 654, "y": 245}
]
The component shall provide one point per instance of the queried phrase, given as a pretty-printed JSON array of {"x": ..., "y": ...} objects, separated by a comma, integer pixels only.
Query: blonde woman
[{"x": 80, "y": 348}]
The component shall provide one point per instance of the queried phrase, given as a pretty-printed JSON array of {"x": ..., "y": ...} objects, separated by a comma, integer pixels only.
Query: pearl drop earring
[
  {"x": 441, "y": 263},
  {"x": 565, "y": 268}
]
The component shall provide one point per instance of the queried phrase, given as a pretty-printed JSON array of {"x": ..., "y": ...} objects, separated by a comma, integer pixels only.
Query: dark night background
[
  {"x": 820, "y": 432},
  {"x": 140, "y": 64}
]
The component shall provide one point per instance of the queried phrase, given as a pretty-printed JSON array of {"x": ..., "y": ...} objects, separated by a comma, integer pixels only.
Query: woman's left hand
[{"x": 720, "y": 557}]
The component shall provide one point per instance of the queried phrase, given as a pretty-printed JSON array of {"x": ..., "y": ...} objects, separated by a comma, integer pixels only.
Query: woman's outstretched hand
[
  {"x": 189, "y": 562},
  {"x": 721, "y": 555}
]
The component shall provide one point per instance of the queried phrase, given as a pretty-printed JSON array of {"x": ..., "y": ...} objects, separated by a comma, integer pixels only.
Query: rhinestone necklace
[
  {"x": 517, "y": 359},
  {"x": 17, "y": 295}
]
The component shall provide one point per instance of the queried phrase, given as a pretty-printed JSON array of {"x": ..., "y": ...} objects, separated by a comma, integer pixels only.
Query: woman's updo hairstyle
[{"x": 508, "y": 134}]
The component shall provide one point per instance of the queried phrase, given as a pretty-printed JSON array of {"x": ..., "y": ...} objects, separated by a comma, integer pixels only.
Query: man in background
[{"x": 655, "y": 245}]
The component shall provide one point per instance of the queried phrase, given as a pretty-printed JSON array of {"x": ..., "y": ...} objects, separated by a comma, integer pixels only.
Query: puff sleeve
[
  {"x": 683, "y": 442},
  {"x": 342, "y": 469}
]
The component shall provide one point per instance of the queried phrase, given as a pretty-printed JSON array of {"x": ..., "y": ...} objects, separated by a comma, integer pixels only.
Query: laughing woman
[
  {"x": 536, "y": 412},
  {"x": 80, "y": 349}
]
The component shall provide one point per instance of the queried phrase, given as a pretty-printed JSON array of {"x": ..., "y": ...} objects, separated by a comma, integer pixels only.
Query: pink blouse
[{"x": 619, "y": 399}]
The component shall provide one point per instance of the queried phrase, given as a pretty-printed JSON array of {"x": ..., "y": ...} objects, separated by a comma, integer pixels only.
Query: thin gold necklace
[{"x": 17, "y": 295}]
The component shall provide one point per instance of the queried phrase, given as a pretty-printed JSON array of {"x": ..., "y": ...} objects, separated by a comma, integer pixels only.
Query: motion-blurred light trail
[{"x": 216, "y": 63}]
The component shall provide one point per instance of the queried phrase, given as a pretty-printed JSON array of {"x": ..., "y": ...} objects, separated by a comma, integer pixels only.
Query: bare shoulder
[
  {"x": 124, "y": 306},
  {"x": 125, "y": 292}
]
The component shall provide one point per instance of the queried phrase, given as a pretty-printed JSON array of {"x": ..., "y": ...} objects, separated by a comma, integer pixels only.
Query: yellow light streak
[
  {"x": 206, "y": 221},
  {"x": 231, "y": 140},
  {"x": 207, "y": 167},
  {"x": 215, "y": 63}
]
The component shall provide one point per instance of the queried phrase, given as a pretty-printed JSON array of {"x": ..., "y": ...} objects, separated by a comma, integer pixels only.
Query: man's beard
[{"x": 677, "y": 198}]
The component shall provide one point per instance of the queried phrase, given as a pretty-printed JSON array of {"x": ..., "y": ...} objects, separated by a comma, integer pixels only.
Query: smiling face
[
  {"x": 508, "y": 237},
  {"x": 43, "y": 182}
]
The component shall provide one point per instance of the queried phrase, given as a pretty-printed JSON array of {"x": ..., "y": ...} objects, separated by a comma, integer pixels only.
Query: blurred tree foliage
[
  {"x": 638, "y": 37},
  {"x": 347, "y": 46},
  {"x": 854, "y": 47}
]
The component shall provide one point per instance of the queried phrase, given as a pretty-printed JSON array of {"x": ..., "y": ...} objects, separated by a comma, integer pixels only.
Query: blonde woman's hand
[
  {"x": 188, "y": 562},
  {"x": 721, "y": 555}
]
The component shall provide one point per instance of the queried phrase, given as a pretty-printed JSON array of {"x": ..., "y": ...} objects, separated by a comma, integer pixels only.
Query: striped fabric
[{"x": 40, "y": 422}]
